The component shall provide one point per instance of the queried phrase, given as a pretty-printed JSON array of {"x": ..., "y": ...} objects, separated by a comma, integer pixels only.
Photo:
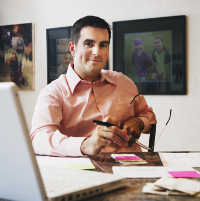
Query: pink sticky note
[
  {"x": 127, "y": 158},
  {"x": 184, "y": 174}
]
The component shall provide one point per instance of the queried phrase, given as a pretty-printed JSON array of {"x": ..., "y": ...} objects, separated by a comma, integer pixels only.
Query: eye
[
  {"x": 104, "y": 45},
  {"x": 88, "y": 44}
]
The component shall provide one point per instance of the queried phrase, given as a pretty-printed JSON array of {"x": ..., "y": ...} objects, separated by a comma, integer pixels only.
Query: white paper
[
  {"x": 147, "y": 171},
  {"x": 148, "y": 189},
  {"x": 62, "y": 161},
  {"x": 173, "y": 186},
  {"x": 180, "y": 184},
  {"x": 180, "y": 159}
]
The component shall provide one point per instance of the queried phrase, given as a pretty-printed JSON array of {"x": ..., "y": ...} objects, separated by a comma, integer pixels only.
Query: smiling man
[
  {"x": 62, "y": 123},
  {"x": 90, "y": 53}
]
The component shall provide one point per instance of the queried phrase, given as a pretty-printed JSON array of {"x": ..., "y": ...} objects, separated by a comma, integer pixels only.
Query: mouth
[{"x": 95, "y": 60}]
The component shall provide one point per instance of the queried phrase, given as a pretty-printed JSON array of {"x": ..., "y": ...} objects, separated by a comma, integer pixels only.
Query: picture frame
[
  {"x": 17, "y": 57},
  {"x": 152, "y": 52},
  {"x": 57, "y": 49}
]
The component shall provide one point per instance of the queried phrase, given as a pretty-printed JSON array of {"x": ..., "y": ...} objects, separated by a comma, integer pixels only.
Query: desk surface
[{"x": 103, "y": 163}]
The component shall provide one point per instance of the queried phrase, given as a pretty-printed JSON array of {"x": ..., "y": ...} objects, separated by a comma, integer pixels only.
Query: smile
[{"x": 95, "y": 60}]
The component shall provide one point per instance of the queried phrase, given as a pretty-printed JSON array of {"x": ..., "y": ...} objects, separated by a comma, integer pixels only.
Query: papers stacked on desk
[
  {"x": 173, "y": 186},
  {"x": 148, "y": 171},
  {"x": 180, "y": 159},
  {"x": 81, "y": 163},
  {"x": 128, "y": 159}
]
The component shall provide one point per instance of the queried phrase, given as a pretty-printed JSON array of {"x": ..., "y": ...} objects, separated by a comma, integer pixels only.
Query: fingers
[
  {"x": 110, "y": 143},
  {"x": 133, "y": 132},
  {"x": 113, "y": 134},
  {"x": 105, "y": 136},
  {"x": 112, "y": 120},
  {"x": 134, "y": 126}
]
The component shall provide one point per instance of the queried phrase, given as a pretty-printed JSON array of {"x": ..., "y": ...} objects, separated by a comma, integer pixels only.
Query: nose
[{"x": 96, "y": 50}]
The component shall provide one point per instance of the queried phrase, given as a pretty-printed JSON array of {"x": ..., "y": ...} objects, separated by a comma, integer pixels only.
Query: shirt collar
[
  {"x": 104, "y": 76},
  {"x": 73, "y": 79}
]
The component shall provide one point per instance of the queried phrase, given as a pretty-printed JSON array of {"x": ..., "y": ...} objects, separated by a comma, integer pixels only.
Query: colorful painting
[{"x": 16, "y": 55}]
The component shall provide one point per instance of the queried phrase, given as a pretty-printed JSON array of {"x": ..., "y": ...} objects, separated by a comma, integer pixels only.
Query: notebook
[{"x": 20, "y": 176}]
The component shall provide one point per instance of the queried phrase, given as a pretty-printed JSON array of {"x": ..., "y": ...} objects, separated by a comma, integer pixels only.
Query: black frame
[
  {"x": 177, "y": 27},
  {"x": 53, "y": 35}
]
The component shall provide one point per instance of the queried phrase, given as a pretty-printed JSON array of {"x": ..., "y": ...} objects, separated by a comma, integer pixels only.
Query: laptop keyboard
[{"x": 62, "y": 186}]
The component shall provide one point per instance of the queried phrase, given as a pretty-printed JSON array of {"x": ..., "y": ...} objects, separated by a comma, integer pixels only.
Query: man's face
[
  {"x": 91, "y": 52},
  {"x": 158, "y": 44}
]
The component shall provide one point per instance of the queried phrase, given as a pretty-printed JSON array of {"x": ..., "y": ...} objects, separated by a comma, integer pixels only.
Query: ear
[{"x": 72, "y": 48}]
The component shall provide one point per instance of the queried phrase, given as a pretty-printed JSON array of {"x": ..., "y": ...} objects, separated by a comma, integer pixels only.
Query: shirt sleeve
[
  {"x": 139, "y": 106},
  {"x": 45, "y": 134},
  {"x": 145, "y": 113},
  {"x": 167, "y": 56}
]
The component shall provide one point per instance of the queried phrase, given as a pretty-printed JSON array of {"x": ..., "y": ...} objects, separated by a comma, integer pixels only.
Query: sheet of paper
[
  {"x": 184, "y": 185},
  {"x": 146, "y": 171},
  {"x": 180, "y": 159},
  {"x": 173, "y": 186},
  {"x": 67, "y": 162}
]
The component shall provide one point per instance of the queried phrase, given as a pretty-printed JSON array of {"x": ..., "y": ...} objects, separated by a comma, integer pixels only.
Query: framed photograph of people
[
  {"x": 58, "y": 54},
  {"x": 152, "y": 53},
  {"x": 17, "y": 57}
]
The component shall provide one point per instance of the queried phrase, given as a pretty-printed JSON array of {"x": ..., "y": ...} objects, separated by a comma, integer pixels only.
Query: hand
[
  {"x": 134, "y": 126},
  {"x": 103, "y": 136}
]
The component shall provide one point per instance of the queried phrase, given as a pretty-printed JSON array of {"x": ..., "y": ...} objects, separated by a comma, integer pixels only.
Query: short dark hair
[
  {"x": 91, "y": 21},
  {"x": 158, "y": 37}
]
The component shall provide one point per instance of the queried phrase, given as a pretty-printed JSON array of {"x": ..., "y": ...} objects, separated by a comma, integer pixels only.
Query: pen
[{"x": 102, "y": 123}]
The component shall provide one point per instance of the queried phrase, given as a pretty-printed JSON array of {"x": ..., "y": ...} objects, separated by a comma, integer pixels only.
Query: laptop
[{"x": 20, "y": 176}]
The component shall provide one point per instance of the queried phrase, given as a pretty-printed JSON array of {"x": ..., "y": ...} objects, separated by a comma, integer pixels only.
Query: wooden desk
[{"x": 103, "y": 163}]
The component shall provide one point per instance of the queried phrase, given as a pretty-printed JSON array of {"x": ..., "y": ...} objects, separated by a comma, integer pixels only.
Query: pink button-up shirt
[{"x": 65, "y": 110}]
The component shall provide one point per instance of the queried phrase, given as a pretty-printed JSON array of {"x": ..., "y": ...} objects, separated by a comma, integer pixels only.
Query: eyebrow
[{"x": 92, "y": 41}]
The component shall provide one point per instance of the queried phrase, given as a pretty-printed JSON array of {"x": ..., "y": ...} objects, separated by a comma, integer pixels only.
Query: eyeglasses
[
  {"x": 130, "y": 104},
  {"x": 170, "y": 113},
  {"x": 148, "y": 148},
  {"x": 136, "y": 140}
]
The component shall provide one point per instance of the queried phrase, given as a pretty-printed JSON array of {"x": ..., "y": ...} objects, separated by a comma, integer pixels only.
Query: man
[{"x": 62, "y": 123}]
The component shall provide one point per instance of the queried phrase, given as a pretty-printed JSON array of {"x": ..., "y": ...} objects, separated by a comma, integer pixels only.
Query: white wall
[{"x": 182, "y": 132}]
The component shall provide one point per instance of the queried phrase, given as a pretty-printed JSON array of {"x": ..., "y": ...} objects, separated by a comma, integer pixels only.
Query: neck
[
  {"x": 88, "y": 77},
  {"x": 160, "y": 50},
  {"x": 91, "y": 78}
]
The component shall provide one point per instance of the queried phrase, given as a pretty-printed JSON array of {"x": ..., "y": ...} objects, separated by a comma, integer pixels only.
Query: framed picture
[
  {"x": 17, "y": 55},
  {"x": 152, "y": 53},
  {"x": 58, "y": 54}
]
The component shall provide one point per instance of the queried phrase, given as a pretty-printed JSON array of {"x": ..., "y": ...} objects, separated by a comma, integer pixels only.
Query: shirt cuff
[
  {"x": 73, "y": 145},
  {"x": 146, "y": 125}
]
